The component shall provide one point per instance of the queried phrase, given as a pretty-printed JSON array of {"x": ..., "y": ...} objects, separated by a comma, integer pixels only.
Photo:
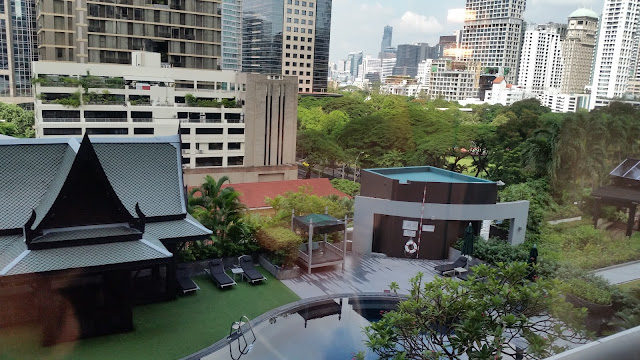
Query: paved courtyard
[{"x": 362, "y": 273}]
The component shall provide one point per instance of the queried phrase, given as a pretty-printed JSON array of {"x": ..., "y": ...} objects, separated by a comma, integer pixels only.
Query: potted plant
[
  {"x": 582, "y": 293},
  {"x": 281, "y": 251}
]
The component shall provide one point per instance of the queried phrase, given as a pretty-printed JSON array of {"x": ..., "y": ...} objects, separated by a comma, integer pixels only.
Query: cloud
[{"x": 412, "y": 22}]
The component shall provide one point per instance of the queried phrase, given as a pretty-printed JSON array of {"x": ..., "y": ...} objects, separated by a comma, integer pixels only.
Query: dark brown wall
[
  {"x": 378, "y": 186},
  {"x": 388, "y": 239}
]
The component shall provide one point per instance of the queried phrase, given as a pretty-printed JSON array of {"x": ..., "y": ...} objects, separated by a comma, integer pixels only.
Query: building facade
[
  {"x": 17, "y": 42},
  {"x": 493, "y": 32},
  {"x": 578, "y": 49},
  {"x": 563, "y": 103},
  {"x": 231, "y": 34},
  {"x": 186, "y": 32},
  {"x": 288, "y": 37},
  {"x": 387, "y": 38},
  {"x": 616, "y": 54},
  {"x": 454, "y": 80},
  {"x": 236, "y": 124},
  {"x": 541, "y": 59},
  {"x": 503, "y": 93}
]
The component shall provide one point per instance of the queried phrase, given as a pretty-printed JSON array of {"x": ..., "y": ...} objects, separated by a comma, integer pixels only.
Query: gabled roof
[
  {"x": 254, "y": 194},
  {"x": 498, "y": 80}
]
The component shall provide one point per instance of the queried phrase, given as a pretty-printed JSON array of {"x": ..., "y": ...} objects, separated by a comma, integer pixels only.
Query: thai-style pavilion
[{"x": 87, "y": 230}]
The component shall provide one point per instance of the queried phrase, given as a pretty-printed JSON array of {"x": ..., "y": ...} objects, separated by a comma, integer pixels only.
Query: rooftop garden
[
  {"x": 168, "y": 330},
  {"x": 192, "y": 100}
]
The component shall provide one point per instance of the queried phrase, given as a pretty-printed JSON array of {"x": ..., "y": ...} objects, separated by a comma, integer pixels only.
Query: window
[
  {"x": 295, "y": 72},
  {"x": 302, "y": 39},
  {"x": 185, "y": 146},
  {"x": 308, "y": 65},
  {"x": 300, "y": 81},
  {"x": 287, "y": 63},
  {"x": 296, "y": 11},
  {"x": 289, "y": 2},
  {"x": 304, "y": 3},
  {"x": 301, "y": 56},
  {"x": 310, "y": 31},
  {"x": 297, "y": 2},
  {"x": 288, "y": 37},
  {"x": 185, "y": 131},
  {"x": 303, "y": 30},
  {"x": 209, "y": 161},
  {"x": 309, "y": 48},
  {"x": 308, "y": 82},
  {"x": 295, "y": 64},
  {"x": 289, "y": 46},
  {"x": 304, "y": 12},
  {"x": 209, "y": 131},
  {"x": 235, "y": 160},
  {"x": 295, "y": 29},
  {"x": 299, "y": 89},
  {"x": 310, "y": 13},
  {"x": 288, "y": 19},
  {"x": 310, "y": 22},
  {"x": 295, "y": 56},
  {"x": 308, "y": 73},
  {"x": 303, "y": 22},
  {"x": 295, "y": 38},
  {"x": 143, "y": 131},
  {"x": 295, "y": 47},
  {"x": 289, "y": 55},
  {"x": 62, "y": 131},
  {"x": 288, "y": 28},
  {"x": 107, "y": 131},
  {"x": 309, "y": 39},
  {"x": 289, "y": 11},
  {"x": 310, "y": 4},
  {"x": 296, "y": 21},
  {"x": 286, "y": 72},
  {"x": 215, "y": 146},
  {"x": 236, "y": 131},
  {"x": 309, "y": 56},
  {"x": 234, "y": 146}
]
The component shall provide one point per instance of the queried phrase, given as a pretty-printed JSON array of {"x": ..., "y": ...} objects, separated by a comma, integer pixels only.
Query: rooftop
[
  {"x": 426, "y": 174},
  {"x": 583, "y": 12}
]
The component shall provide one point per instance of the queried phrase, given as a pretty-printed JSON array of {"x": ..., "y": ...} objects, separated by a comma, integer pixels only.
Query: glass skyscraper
[
  {"x": 231, "y": 34},
  {"x": 17, "y": 49},
  {"x": 288, "y": 37}
]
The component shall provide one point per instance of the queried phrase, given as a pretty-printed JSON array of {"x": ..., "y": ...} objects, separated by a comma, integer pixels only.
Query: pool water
[{"x": 327, "y": 330}]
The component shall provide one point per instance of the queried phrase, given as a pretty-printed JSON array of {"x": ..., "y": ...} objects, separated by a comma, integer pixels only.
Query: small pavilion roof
[{"x": 322, "y": 224}]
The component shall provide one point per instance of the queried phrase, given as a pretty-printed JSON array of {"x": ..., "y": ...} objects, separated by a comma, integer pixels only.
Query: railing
[
  {"x": 100, "y": 102},
  {"x": 142, "y": 119},
  {"x": 105, "y": 119},
  {"x": 59, "y": 84},
  {"x": 61, "y": 119},
  {"x": 202, "y": 121}
]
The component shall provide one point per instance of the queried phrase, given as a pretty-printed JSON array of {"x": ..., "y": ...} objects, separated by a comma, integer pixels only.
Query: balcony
[
  {"x": 147, "y": 120},
  {"x": 105, "y": 119},
  {"x": 61, "y": 120}
]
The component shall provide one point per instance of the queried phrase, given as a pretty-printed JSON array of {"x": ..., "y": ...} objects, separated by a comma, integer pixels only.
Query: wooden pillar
[
  {"x": 631, "y": 219},
  {"x": 310, "y": 246},
  {"x": 596, "y": 211},
  {"x": 171, "y": 272}
]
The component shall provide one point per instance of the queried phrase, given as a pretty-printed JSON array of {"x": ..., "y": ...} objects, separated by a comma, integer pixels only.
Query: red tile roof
[
  {"x": 498, "y": 80},
  {"x": 253, "y": 194}
]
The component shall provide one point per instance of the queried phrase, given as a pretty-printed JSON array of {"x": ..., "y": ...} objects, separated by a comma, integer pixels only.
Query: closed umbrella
[
  {"x": 469, "y": 237},
  {"x": 533, "y": 260}
]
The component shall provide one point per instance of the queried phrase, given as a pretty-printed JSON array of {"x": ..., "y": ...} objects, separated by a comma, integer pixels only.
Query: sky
[{"x": 357, "y": 25}]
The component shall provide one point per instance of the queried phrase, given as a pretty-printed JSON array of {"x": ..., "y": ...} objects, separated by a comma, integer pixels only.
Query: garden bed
[{"x": 277, "y": 271}]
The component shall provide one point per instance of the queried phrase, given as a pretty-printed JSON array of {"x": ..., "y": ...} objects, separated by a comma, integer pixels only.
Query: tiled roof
[
  {"x": 498, "y": 80},
  {"x": 26, "y": 171},
  {"x": 188, "y": 227},
  {"x": 87, "y": 233},
  {"x": 11, "y": 247},
  {"x": 253, "y": 194},
  {"x": 144, "y": 173},
  {"x": 85, "y": 256}
]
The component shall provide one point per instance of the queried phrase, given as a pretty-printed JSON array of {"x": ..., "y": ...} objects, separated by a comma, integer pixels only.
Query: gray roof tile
[
  {"x": 188, "y": 227},
  {"x": 86, "y": 233},
  {"x": 85, "y": 256},
  {"x": 26, "y": 171},
  {"x": 144, "y": 173},
  {"x": 11, "y": 247}
]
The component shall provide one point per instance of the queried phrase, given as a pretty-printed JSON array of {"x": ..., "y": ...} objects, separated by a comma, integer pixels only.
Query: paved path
[
  {"x": 619, "y": 274},
  {"x": 368, "y": 273}
]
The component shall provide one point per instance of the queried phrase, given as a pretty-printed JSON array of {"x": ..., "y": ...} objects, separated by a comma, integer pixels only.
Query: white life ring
[{"x": 410, "y": 247}]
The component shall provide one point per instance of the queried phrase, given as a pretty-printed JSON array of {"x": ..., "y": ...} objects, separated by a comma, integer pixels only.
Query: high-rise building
[
  {"x": 231, "y": 34},
  {"x": 541, "y": 58},
  {"x": 288, "y": 37},
  {"x": 354, "y": 59},
  {"x": 493, "y": 32},
  {"x": 387, "y": 36},
  {"x": 409, "y": 57},
  {"x": 446, "y": 42},
  {"x": 187, "y": 33},
  {"x": 17, "y": 41},
  {"x": 616, "y": 54},
  {"x": 454, "y": 80},
  {"x": 577, "y": 50}
]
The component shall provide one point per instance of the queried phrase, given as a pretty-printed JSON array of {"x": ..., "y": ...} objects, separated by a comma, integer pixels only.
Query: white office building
[
  {"x": 454, "y": 80},
  {"x": 541, "y": 59},
  {"x": 220, "y": 114},
  {"x": 563, "y": 103},
  {"x": 616, "y": 54},
  {"x": 492, "y": 34},
  {"x": 503, "y": 93},
  {"x": 577, "y": 50}
]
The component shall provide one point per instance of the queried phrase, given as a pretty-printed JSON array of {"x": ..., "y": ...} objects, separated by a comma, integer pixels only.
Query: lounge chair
[
  {"x": 216, "y": 271},
  {"x": 250, "y": 272},
  {"x": 461, "y": 262},
  {"x": 185, "y": 283}
]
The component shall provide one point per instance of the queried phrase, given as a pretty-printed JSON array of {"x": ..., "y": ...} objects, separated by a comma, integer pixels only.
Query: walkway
[
  {"x": 367, "y": 273},
  {"x": 622, "y": 273}
]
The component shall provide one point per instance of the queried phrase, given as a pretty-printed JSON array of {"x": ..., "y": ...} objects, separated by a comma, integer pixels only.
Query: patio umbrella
[{"x": 468, "y": 238}]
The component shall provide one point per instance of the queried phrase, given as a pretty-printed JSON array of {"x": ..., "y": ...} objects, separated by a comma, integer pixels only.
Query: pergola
[
  {"x": 623, "y": 192},
  {"x": 321, "y": 253}
]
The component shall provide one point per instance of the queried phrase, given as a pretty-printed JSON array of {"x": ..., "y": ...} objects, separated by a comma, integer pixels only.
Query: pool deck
[{"x": 366, "y": 273}]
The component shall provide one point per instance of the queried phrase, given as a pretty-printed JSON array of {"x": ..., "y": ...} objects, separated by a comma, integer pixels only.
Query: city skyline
[{"x": 418, "y": 21}]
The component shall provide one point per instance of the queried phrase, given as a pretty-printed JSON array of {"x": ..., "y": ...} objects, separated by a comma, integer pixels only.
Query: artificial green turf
[{"x": 168, "y": 330}]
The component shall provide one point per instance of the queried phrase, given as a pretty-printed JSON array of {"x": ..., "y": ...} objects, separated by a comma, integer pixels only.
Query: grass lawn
[
  {"x": 635, "y": 284},
  {"x": 168, "y": 330},
  {"x": 468, "y": 161}
]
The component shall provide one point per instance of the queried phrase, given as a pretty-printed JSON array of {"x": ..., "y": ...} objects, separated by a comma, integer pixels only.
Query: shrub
[
  {"x": 348, "y": 187},
  {"x": 588, "y": 291},
  {"x": 496, "y": 250},
  {"x": 281, "y": 243},
  {"x": 537, "y": 193}
]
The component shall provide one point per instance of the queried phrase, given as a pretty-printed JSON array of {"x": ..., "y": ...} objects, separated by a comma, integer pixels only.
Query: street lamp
[{"x": 355, "y": 171}]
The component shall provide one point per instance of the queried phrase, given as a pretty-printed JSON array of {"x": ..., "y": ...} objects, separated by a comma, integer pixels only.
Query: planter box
[
  {"x": 277, "y": 271},
  {"x": 593, "y": 309}
]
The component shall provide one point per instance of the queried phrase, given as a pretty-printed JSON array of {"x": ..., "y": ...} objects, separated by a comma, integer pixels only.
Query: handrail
[
  {"x": 60, "y": 119},
  {"x": 332, "y": 247}
]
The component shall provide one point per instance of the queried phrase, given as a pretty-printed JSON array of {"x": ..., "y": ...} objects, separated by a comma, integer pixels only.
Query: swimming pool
[{"x": 324, "y": 329}]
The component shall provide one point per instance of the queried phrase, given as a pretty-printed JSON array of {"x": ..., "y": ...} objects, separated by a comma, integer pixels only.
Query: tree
[
  {"x": 21, "y": 119},
  {"x": 318, "y": 149},
  {"x": 473, "y": 319}
]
